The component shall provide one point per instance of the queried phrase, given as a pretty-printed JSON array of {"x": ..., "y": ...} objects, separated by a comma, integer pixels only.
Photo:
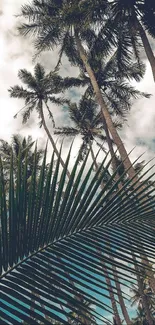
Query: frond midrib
[{"x": 50, "y": 244}]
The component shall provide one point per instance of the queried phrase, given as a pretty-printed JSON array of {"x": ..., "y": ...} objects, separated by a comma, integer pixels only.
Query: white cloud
[{"x": 139, "y": 130}]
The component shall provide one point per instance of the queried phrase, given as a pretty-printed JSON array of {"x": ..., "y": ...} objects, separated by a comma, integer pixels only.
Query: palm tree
[
  {"x": 135, "y": 17},
  {"x": 142, "y": 296},
  {"x": 61, "y": 23},
  {"x": 40, "y": 90},
  {"x": 138, "y": 299},
  {"x": 19, "y": 146},
  {"x": 87, "y": 123},
  {"x": 38, "y": 227},
  {"x": 84, "y": 319},
  {"x": 114, "y": 85}
]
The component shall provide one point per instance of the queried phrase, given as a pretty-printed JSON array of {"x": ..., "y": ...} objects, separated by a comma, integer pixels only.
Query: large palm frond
[{"x": 50, "y": 237}]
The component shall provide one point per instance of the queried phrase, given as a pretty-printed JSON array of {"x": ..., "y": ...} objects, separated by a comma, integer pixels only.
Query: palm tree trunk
[
  {"x": 120, "y": 298},
  {"x": 107, "y": 121},
  {"x": 51, "y": 139},
  {"x": 147, "y": 46},
  {"x": 111, "y": 294},
  {"x": 93, "y": 156},
  {"x": 112, "y": 153}
]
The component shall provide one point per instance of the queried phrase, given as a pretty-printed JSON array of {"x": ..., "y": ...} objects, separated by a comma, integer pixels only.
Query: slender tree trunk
[
  {"x": 111, "y": 294},
  {"x": 120, "y": 298},
  {"x": 112, "y": 153},
  {"x": 51, "y": 139},
  {"x": 93, "y": 156},
  {"x": 104, "y": 110},
  {"x": 147, "y": 46}
]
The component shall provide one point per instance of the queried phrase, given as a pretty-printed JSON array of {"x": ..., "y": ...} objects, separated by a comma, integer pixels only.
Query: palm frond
[
  {"x": 39, "y": 72},
  {"x": 27, "y": 78},
  {"x": 71, "y": 221},
  {"x": 20, "y": 92},
  {"x": 69, "y": 131},
  {"x": 58, "y": 100},
  {"x": 29, "y": 108}
]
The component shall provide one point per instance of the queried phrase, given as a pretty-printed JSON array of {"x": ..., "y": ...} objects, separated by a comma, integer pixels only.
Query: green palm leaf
[{"x": 51, "y": 235}]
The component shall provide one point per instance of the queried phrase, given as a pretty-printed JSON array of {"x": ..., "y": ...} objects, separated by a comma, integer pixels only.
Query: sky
[{"x": 16, "y": 53}]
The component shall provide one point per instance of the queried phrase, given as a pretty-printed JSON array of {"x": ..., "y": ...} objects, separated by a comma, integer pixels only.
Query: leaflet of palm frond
[
  {"x": 45, "y": 225},
  {"x": 69, "y": 82},
  {"x": 66, "y": 131}
]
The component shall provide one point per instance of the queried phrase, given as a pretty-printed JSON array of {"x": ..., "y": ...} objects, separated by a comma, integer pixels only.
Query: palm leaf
[{"x": 51, "y": 235}]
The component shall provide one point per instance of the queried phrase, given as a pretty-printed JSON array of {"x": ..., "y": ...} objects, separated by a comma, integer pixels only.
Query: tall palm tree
[
  {"x": 38, "y": 227},
  {"x": 135, "y": 17},
  {"x": 138, "y": 298},
  {"x": 88, "y": 123},
  {"x": 141, "y": 292},
  {"x": 41, "y": 89},
  {"x": 57, "y": 23},
  {"x": 113, "y": 83}
]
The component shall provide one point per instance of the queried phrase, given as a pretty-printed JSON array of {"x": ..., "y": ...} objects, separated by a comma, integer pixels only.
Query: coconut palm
[
  {"x": 41, "y": 89},
  {"x": 136, "y": 17},
  {"x": 57, "y": 23},
  {"x": 87, "y": 123},
  {"x": 19, "y": 146},
  {"x": 114, "y": 85},
  {"x": 113, "y": 82},
  {"x": 39, "y": 228},
  {"x": 84, "y": 319},
  {"x": 142, "y": 297}
]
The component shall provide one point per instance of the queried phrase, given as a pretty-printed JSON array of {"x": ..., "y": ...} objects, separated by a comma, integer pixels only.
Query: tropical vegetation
[{"x": 77, "y": 238}]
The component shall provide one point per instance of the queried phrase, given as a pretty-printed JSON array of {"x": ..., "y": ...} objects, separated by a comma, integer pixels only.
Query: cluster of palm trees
[{"x": 70, "y": 237}]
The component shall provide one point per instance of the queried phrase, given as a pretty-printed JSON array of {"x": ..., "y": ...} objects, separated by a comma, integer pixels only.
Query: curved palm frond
[
  {"x": 27, "y": 78},
  {"x": 50, "y": 238},
  {"x": 39, "y": 72}
]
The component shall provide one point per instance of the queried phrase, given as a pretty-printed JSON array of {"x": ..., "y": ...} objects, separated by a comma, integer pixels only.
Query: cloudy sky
[{"x": 17, "y": 52}]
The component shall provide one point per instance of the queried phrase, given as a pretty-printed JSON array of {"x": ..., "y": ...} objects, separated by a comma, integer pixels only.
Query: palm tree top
[{"x": 40, "y": 88}]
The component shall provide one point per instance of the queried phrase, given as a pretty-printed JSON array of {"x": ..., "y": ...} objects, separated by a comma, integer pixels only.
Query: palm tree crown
[
  {"x": 20, "y": 146},
  {"x": 87, "y": 121},
  {"x": 136, "y": 17},
  {"x": 39, "y": 91}
]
